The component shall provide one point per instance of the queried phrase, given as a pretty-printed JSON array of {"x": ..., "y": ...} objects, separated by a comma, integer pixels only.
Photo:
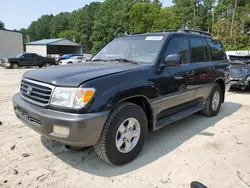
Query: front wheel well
[
  {"x": 222, "y": 85},
  {"x": 145, "y": 105}
]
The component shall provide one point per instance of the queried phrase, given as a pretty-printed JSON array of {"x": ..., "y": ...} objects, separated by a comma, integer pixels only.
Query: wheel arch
[
  {"x": 222, "y": 84},
  {"x": 143, "y": 102}
]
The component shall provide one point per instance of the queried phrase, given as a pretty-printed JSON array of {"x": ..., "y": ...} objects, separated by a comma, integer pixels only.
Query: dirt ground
[{"x": 215, "y": 151}]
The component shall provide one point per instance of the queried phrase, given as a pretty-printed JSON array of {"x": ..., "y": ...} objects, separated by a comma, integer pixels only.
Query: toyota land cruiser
[{"x": 134, "y": 84}]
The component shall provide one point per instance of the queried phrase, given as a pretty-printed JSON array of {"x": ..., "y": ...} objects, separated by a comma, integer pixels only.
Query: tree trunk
[{"x": 232, "y": 23}]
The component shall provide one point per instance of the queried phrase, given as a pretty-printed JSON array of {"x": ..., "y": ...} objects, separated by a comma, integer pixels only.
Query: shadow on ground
[{"x": 158, "y": 144}]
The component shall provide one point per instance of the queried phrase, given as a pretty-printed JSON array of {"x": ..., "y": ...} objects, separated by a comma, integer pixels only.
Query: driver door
[{"x": 176, "y": 85}]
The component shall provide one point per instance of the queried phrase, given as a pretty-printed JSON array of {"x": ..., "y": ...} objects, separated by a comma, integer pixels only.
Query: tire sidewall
[
  {"x": 47, "y": 64},
  {"x": 214, "y": 89},
  {"x": 14, "y": 65},
  {"x": 113, "y": 154}
]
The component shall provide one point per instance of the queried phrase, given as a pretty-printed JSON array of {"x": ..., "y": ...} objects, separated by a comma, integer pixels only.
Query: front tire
[
  {"x": 213, "y": 103},
  {"x": 123, "y": 134},
  {"x": 14, "y": 66}
]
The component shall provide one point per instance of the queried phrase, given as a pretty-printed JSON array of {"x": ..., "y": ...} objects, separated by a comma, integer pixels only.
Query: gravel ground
[{"x": 215, "y": 151}]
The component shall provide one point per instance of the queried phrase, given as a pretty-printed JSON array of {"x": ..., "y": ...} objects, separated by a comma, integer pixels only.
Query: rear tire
[
  {"x": 46, "y": 64},
  {"x": 115, "y": 147},
  {"x": 14, "y": 66},
  {"x": 213, "y": 103}
]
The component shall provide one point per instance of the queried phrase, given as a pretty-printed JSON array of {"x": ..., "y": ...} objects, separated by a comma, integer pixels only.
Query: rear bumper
[{"x": 84, "y": 129}]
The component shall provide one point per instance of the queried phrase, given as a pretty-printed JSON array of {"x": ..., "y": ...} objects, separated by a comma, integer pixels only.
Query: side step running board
[{"x": 177, "y": 116}]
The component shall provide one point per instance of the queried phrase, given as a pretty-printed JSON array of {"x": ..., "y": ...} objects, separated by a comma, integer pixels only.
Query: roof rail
[{"x": 183, "y": 30}]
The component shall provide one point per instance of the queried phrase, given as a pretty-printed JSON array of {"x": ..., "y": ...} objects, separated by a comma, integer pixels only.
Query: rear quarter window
[{"x": 216, "y": 49}]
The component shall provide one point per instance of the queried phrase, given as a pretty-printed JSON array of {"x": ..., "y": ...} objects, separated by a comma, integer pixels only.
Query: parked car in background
[
  {"x": 240, "y": 75},
  {"x": 134, "y": 84},
  {"x": 27, "y": 60},
  {"x": 73, "y": 60},
  {"x": 66, "y": 56}
]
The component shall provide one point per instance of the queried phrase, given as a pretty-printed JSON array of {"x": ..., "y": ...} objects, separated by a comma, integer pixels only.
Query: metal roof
[{"x": 45, "y": 41}]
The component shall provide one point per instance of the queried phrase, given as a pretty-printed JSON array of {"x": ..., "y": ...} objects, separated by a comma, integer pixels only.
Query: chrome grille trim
[{"x": 41, "y": 93}]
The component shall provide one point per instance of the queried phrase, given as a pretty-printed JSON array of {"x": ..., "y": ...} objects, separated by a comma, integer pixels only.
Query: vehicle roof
[{"x": 166, "y": 34}]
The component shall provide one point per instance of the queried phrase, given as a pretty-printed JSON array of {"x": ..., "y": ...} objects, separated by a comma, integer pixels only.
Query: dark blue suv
[{"x": 134, "y": 84}]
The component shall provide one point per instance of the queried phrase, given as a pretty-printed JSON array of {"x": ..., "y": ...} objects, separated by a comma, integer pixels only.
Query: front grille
[{"x": 36, "y": 92}]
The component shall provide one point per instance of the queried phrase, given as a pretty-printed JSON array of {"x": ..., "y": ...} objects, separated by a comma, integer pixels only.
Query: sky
[{"x": 17, "y": 14}]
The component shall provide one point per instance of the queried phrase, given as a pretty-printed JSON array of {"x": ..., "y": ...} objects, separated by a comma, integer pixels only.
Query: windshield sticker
[{"x": 154, "y": 38}]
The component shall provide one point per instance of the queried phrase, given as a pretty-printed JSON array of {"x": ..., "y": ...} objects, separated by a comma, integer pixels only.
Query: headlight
[{"x": 74, "y": 98}]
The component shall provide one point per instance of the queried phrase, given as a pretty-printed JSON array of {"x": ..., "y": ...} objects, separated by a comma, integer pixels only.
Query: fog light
[{"x": 61, "y": 131}]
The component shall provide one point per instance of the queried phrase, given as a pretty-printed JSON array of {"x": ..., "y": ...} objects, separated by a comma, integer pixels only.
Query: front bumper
[
  {"x": 84, "y": 129},
  {"x": 235, "y": 83}
]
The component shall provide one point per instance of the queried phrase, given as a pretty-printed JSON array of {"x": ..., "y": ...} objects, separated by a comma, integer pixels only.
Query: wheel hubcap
[
  {"x": 216, "y": 100},
  {"x": 128, "y": 135}
]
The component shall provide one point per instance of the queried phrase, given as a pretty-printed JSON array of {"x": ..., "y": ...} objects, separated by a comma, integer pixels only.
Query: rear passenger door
[{"x": 201, "y": 60}]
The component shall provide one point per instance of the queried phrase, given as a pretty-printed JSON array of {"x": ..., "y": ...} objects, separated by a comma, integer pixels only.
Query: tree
[
  {"x": 40, "y": 29},
  {"x": 25, "y": 36},
  {"x": 143, "y": 16},
  {"x": 112, "y": 19},
  {"x": 84, "y": 22},
  {"x": 1, "y": 25},
  {"x": 59, "y": 23},
  {"x": 69, "y": 34}
]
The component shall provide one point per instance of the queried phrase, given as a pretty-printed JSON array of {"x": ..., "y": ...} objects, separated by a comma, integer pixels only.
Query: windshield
[
  {"x": 141, "y": 49},
  {"x": 19, "y": 55}
]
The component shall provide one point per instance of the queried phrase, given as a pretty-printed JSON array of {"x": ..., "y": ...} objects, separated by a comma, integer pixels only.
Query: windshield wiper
[
  {"x": 124, "y": 60},
  {"x": 99, "y": 60}
]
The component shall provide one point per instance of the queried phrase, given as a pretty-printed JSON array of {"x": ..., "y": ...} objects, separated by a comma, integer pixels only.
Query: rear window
[
  {"x": 236, "y": 70},
  {"x": 217, "y": 51}
]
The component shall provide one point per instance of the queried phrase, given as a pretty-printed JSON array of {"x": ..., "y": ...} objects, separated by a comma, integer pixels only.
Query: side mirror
[
  {"x": 22, "y": 57},
  {"x": 173, "y": 60}
]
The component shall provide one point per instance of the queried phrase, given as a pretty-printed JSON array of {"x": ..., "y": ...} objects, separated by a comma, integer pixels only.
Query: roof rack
[{"x": 183, "y": 30}]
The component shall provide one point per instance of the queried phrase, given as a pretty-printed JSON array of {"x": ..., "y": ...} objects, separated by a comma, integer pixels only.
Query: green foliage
[
  {"x": 66, "y": 34},
  {"x": 59, "y": 23},
  {"x": 97, "y": 23},
  {"x": 25, "y": 36},
  {"x": 40, "y": 29},
  {"x": 1, "y": 25}
]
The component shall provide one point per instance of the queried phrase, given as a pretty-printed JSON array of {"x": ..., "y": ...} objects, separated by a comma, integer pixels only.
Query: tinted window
[
  {"x": 33, "y": 56},
  {"x": 28, "y": 56},
  {"x": 217, "y": 52},
  {"x": 178, "y": 45},
  {"x": 198, "y": 49}
]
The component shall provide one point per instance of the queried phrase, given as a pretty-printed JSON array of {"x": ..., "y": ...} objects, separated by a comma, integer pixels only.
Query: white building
[
  {"x": 11, "y": 43},
  {"x": 54, "y": 47}
]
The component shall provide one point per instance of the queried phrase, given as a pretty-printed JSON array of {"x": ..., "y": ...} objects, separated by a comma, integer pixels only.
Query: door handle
[{"x": 190, "y": 72}]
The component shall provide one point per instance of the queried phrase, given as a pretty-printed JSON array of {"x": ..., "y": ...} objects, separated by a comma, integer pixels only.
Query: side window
[
  {"x": 198, "y": 49},
  {"x": 33, "y": 56},
  {"x": 178, "y": 45},
  {"x": 217, "y": 51},
  {"x": 27, "y": 56},
  {"x": 79, "y": 57}
]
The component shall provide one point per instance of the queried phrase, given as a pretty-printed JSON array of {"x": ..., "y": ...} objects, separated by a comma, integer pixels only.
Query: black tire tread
[
  {"x": 100, "y": 148},
  {"x": 206, "y": 111}
]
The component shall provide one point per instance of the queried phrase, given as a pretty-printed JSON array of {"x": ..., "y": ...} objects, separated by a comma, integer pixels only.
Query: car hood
[
  {"x": 74, "y": 75},
  {"x": 13, "y": 59}
]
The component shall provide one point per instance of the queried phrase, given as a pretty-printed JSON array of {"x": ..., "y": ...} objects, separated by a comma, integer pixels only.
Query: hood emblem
[{"x": 29, "y": 90}]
